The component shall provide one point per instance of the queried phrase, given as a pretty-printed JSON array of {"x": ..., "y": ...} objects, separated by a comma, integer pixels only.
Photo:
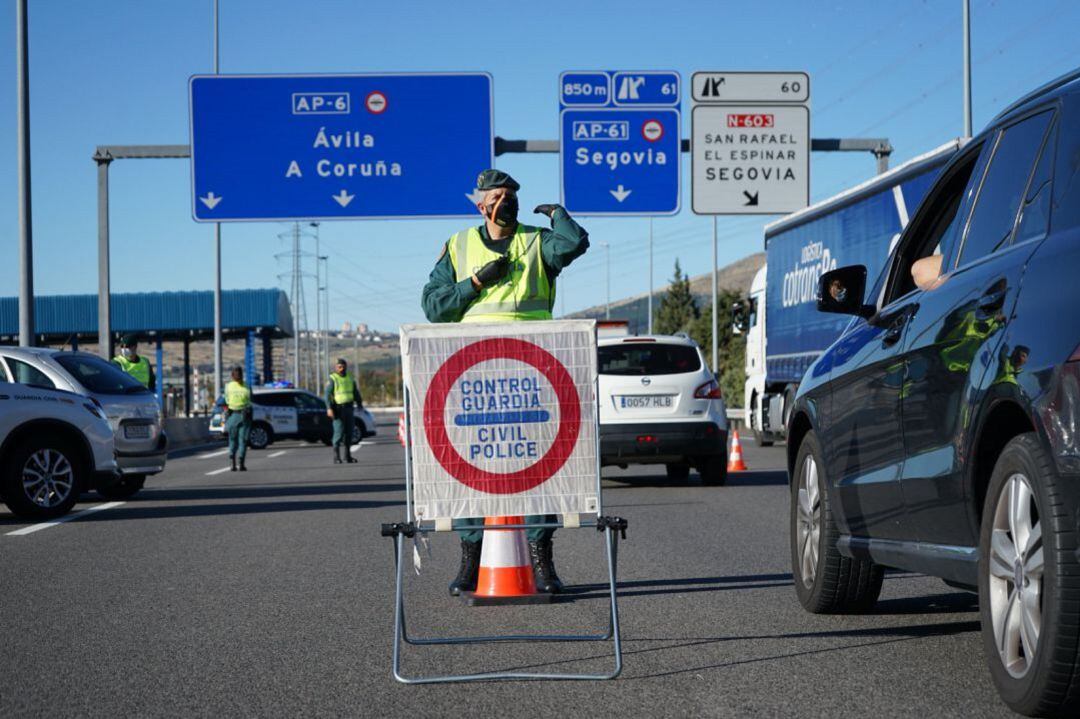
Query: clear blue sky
[{"x": 115, "y": 72}]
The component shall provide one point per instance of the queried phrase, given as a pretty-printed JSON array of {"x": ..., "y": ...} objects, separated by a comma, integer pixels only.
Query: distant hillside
[{"x": 735, "y": 277}]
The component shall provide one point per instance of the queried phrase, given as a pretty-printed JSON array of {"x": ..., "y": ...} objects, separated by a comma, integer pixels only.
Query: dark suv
[{"x": 939, "y": 433}]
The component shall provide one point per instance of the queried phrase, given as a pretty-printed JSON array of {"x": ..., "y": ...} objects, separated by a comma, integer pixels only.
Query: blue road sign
[
  {"x": 300, "y": 147},
  {"x": 620, "y": 156}
]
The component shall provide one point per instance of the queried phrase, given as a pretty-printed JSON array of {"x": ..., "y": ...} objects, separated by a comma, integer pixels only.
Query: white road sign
[
  {"x": 750, "y": 159},
  {"x": 751, "y": 87},
  {"x": 502, "y": 418}
]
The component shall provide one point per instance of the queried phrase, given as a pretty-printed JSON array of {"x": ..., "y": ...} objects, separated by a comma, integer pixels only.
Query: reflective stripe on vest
[
  {"x": 525, "y": 294},
  {"x": 343, "y": 388},
  {"x": 140, "y": 369},
  {"x": 237, "y": 396}
]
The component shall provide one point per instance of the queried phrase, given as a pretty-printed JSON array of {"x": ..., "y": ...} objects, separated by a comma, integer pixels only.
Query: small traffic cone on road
[
  {"x": 506, "y": 572},
  {"x": 735, "y": 461},
  {"x": 401, "y": 429}
]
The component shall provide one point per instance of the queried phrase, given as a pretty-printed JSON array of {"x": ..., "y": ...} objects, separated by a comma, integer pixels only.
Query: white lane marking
[
  {"x": 214, "y": 454},
  {"x": 356, "y": 447},
  {"x": 276, "y": 454},
  {"x": 218, "y": 471},
  {"x": 52, "y": 523}
]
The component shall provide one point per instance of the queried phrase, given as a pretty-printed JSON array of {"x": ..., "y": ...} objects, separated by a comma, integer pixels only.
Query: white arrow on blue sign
[
  {"x": 306, "y": 147},
  {"x": 620, "y": 143}
]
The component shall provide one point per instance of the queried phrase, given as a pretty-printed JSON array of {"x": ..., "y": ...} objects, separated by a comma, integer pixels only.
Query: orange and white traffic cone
[
  {"x": 401, "y": 429},
  {"x": 735, "y": 461},
  {"x": 506, "y": 572}
]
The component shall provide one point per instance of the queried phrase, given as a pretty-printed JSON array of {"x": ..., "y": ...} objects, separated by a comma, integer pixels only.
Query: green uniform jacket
[{"x": 445, "y": 299}]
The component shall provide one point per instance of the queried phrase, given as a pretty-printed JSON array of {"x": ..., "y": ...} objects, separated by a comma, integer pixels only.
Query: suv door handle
[
  {"x": 895, "y": 331},
  {"x": 993, "y": 299}
]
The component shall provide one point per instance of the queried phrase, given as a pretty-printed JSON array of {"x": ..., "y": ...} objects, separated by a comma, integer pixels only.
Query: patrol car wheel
[
  {"x": 357, "y": 433},
  {"x": 42, "y": 479},
  {"x": 825, "y": 580},
  {"x": 260, "y": 436}
]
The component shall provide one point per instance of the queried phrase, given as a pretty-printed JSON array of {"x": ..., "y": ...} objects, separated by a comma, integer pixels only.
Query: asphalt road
[{"x": 269, "y": 593}]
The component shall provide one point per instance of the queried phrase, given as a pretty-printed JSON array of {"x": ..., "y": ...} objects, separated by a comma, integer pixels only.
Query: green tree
[
  {"x": 678, "y": 309},
  {"x": 731, "y": 347}
]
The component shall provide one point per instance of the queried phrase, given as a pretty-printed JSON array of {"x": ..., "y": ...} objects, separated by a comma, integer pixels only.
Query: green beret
[
  {"x": 128, "y": 340},
  {"x": 490, "y": 179}
]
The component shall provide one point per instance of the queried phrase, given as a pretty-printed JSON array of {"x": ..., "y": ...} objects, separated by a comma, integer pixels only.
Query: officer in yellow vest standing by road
[
  {"x": 238, "y": 412},
  {"x": 341, "y": 394},
  {"x": 503, "y": 271},
  {"x": 136, "y": 366}
]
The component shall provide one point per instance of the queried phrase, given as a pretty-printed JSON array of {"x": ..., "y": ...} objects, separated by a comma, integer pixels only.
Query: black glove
[
  {"x": 493, "y": 271},
  {"x": 548, "y": 210}
]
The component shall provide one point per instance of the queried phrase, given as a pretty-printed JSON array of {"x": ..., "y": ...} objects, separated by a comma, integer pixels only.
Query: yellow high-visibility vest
[
  {"x": 237, "y": 396},
  {"x": 139, "y": 369},
  {"x": 343, "y": 388},
  {"x": 524, "y": 294}
]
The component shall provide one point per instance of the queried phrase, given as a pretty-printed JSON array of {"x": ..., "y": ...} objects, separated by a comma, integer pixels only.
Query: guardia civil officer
[
  {"x": 238, "y": 415},
  {"x": 341, "y": 394},
  {"x": 138, "y": 367},
  {"x": 503, "y": 271}
]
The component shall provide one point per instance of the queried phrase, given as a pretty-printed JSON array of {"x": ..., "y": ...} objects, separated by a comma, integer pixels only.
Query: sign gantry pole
[
  {"x": 218, "y": 387},
  {"x": 26, "y": 236}
]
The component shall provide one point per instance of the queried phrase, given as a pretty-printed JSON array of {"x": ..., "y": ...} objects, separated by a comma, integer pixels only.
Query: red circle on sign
[
  {"x": 650, "y": 124},
  {"x": 376, "y": 102},
  {"x": 494, "y": 482}
]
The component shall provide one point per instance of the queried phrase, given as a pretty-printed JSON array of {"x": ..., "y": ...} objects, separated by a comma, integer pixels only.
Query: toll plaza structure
[{"x": 157, "y": 317}]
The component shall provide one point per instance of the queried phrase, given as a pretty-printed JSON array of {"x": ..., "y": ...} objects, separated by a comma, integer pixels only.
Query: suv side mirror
[{"x": 841, "y": 292}]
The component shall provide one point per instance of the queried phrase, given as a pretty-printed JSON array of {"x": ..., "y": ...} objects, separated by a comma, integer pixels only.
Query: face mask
[
  {"x": 504, "y": 212},
  {"x": 126, "y": 352}
]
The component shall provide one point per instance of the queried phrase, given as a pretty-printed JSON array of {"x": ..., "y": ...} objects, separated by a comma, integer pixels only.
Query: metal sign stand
[{"x": 613, "y": 528}]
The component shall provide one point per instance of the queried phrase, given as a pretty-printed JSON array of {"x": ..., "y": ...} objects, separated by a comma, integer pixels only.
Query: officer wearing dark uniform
[{"x": 503, "y": 271}]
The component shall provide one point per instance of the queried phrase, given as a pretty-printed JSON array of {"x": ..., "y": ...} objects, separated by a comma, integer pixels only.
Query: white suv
[
  {"x": 53, "y": 445},
  {"x": 660, "y": 404}
]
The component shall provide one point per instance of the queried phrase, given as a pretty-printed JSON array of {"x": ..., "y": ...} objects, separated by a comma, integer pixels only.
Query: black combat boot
[
  {"x": 243, "y": 468},
  {"x": 337, "y": 454},
  {"x": 544, "y": 567},
  {"x": 348, "y": 455},
  {"x": 232, "y": 458},
  {"x": 469, "y": 569}
]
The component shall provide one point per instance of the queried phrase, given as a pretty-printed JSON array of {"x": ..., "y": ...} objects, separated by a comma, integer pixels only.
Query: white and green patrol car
[{"x": 280, "y": 413}]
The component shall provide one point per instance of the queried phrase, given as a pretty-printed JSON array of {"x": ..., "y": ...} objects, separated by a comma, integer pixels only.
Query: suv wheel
[
  {"x": 1029, "y": 596},
  {"x": 42, "y": 479},
  {"x": 713, "y": 470},
  {"x": 678, "y": 472},
  {"x": 125, "y": 487},
  {"x": 260, "y": 435},
  {"x": 825, "y": 580}
]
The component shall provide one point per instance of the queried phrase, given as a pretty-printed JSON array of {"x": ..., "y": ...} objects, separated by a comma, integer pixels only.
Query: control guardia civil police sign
[
  {"x": 292, "y": 147},
  {"x": 502, "y": 418},
  {"x": 619, "y": 142}
]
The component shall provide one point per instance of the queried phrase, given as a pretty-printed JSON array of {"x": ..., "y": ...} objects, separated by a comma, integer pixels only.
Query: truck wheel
[
  {"x": 825, "y": 581},
  {"x": 713, "y": 470},
  {"x": 125, "y": 487},
  {"x": 42, "y": 479},
  {"x": 759, "y": 434},
  {"x": 1029, "y": 596},
  {"x": 678, "y": 472},
  {"x": 260, "y": 436}
]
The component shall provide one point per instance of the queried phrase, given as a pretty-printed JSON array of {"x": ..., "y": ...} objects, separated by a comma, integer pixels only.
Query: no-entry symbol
[
  {"x": 375, "y": 102},
  {"x": 652, "y": 130}
]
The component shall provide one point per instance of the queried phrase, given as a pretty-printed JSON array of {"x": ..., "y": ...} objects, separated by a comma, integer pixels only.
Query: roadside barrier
[
  {"x": 735, "y": 461},
  {"x": 401, "y": 429}
]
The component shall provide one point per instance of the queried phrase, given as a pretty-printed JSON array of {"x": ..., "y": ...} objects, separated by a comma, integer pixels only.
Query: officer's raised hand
[
  {"x": 548, "y": 210},
  {"x": 491, "y": 273}
]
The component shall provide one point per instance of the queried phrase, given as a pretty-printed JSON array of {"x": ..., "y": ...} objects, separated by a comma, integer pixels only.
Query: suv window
[
  {"x": 1035, "y": 212},
  {"x": 24, "y": 373},
  {"x": 648, "y": 358},
  {"x": 935, "y": 229},
  {"x": 1003, "y": 186},
  {"x": 99, "y": 376}
]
